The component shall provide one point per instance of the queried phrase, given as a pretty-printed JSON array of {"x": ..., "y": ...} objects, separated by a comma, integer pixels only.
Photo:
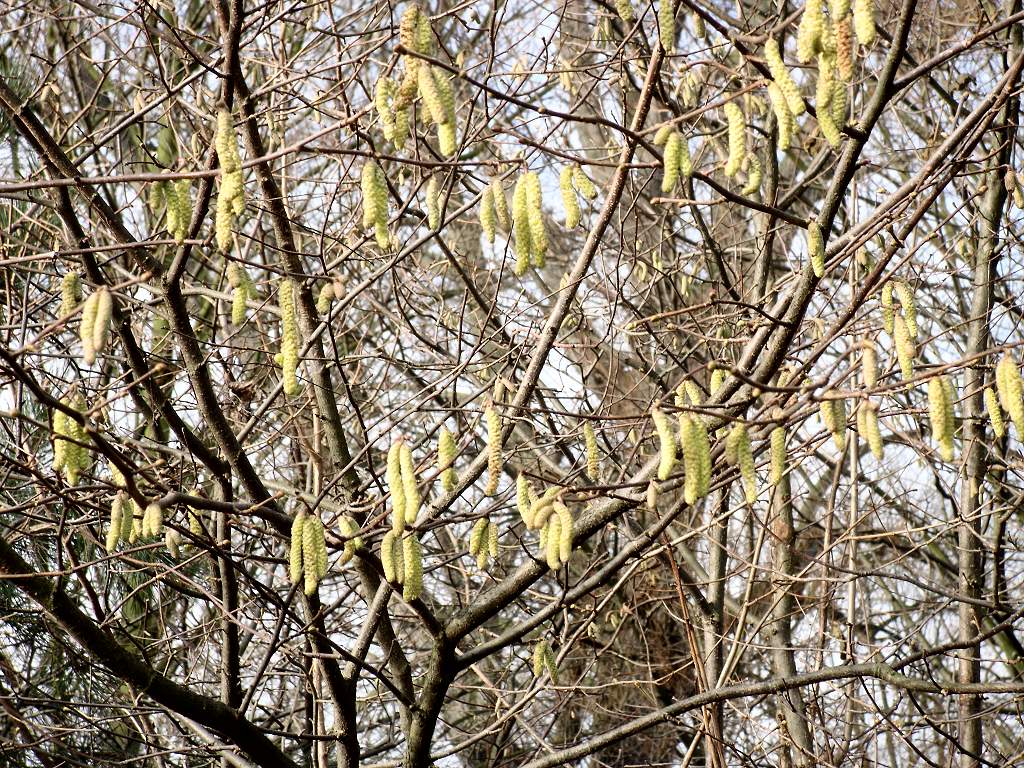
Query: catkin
[
  {"x": 783, "y": 81},
  {"x": 809, "y": 33},
  {"x": 826, "y": 78},
  {"x": 101, "y": 323},
  {"x": 535, "y": 217},
  {"x": 783, "y": 116},
  {"x": 412, "y": 563},
  {"x": 869, "y": 363},
  {"x": 1011, "y": 390},
  {"x": 488, "y": 216},
  {"x": 888, "y": 314},
  {"x": 409, "y": 487},
  {"x": 816, "y": 248},
  {"x": 904, "y": 342},
  {"x": 524, "y": 499},
  {"x": 670, "y": 162},
  {"x": 667, "y": 443},
  {"x": 624, "y": 9},
  {"x": 387, "y": 555},
  {"x": 667, "y": 25},
  {"x": 446, "y": 452},
  {"x": 940, "y": 415},
  {"x": 396, "y": 486},
  {"x": 552, "y": 547},
  {"x": 844, "y": 48},
  {"x": 433, "y": 203},
  {"x": 867, "y": 425},
  {"x": 231, "y": 193},
  {"x": 908, "y": 305},
  {"x": 593, "y": 455},
  {"x": 737, "y": 138},
  {"x": 689, "y": 440},
  {"x": 521, "y": 227},
  {"x": 745, "y": 460},
  {"x": 295, "y": 568},
  {"x": 375, "y": 201},
  {"x": 542, "y": 507},
  {"x": 501, "y": 209},
  {"x": 583, "y": 183},
  {"x": 478, "y": 537},
  {"x": 995, "y": 413},
  {"x": 864, "y": 20},
  {"x": 309, "y": 556},
  {"x": 753, "y": 176},
  {"x": 494, "y": 459},
  {"x": 289, "y": 336},
  {"x": 116, "y": 523},
  {"x": 324, "y": 299},
  {"x": 778, "y": 455},
  {"x": 85, "y": 328},
  {"x": 566, "y": 528},
  {"x": 70, "y": 293},
  {"x": 569, "y": 201}
]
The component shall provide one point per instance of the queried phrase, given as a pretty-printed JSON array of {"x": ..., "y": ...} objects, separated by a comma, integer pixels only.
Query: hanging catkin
[
  {"x": 904, "y": 342},
  {"x": 583, "y": 183},
  {"x": 1011, "y": 390},
  {"x": 535, "y": 217},
  {"x": 488, "y": 216},
  {"x": 70, "y": 293},
  {"x": 783, "y": 116},
  {"x": 349, "y": 529},
  {"x": 940, "y": 415},
  {"x": 521, "y": 227},
  {"x": 412, "y": 564},
  {"x": 242, "y": 289},
  {"x": 908, "y": 305},
  {"x": 670, "y": 162},
  {"x": 737, "y": 129},
  {"x": 995, "y": 413},
  {"x": 550, "y": 544},
  {"x": 593, "y": 455},
  {"x": 745, "y": 460},
  {"x": 478, "y": 541},
  {"x": 446, "y": 452},
  {"x": 864, "y": 20},
  {"x": 692, "y": 461},
  {"x": 396, "y": 485},
  {"x": 289, "y": 336},
  {"x": 433, "y": 203},
  {"x": 70, "y": 455},
  {"x": 809, "y": 33},
  {"x": 778, "y": 455},
  {"x": 783, "y": 80},
  {"x": 314, "y": 553},
  {"x": 753, "y": 176},
  {"x": 667, "y": 443},
  {"x": 494, "y": 460},
  {"x": 524, "y": 499},
  {"x": 667, "y": 25},
  {"x": 867, "y": 425},
  {"x": 844, "y": 48},
  {"x": 231, "y": 193},
  {"x": 542, "y": 507},
  {"x": 295, "y": 568},
  {"x": 888, "y": 314},
  {"x": 375, "y": 202},
  {"x": 816, "y": 248},
  {"x": 869, "y": 363},
  {"x": 624, "y": 9},
  {"x": 501, "y": 209},
  {"x": 410, "y": 488},
  {"x": 569, "y": 201},
  {"x": 387, "y": 555}
]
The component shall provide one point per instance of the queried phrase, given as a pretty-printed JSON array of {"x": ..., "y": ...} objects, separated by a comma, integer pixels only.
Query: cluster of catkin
[
  {"x": 178, "y": 197},
  {"x": 901, "y": 323},
  {"x": 548, "y": 515},
  {"x": 544, "y": 659},
  {"x": 528, "y": 223},
  {"x": 70, "y": 455},
  {"x": 692, "y": 439},
  {"x": 675, "y": 158},
  {"x": 483, "y": 542},
  {"x": 375, "y": 202},
  {"x": 400, "y": 552},
  {"x": 307, "y": 559},
  {"x": 94, "y": 329},
  {"x": 494, "y": 212},
  {"x": 231, "y": 194},
  {"x": 572, "y": 182}
]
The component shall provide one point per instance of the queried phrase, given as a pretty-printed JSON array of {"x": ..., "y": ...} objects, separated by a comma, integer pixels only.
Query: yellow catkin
[
  {"x": 937, "y": 406},
  {"x": 477, "y": 537},
  {"x": 101, "y": 324},
  {"x": 737, "y": 138},
  {"x": 325, "y": 298},
  {"x": 387, "y": 555},
  {"x": 583, "y": 183},
  {"x": 745, "y": 461},
  {"x": 501, "y": 210},
  {"x": 703, "y": 454},
  {"x": 155, "y": 515},
  {"x": 309, "y": 556},
  {"x": 566, "y": 529},
  {"x": 446, "y": 452},
  {"x": 396, "y": 486},
  {"x": 410, "y": 488},
  {"x": 905, "y": 348},
  {"x": 783, "y": 117},
  {"x": 868, "y": 426},
  {"x": 864, "y": 20},
  {"x": 289, "y": 336},
  {"x": 670, "y": 162},
  {"x": 888, "y": 314},
  {"x": 535, "y": 217},
  {"x": 128, "y": 508},
  {"x": 538, "y": 658},
  {"x": 1011, "y": 390},
  {"x": 494, "y": 459},
  {"x": 412, "y": 564},
  {"x": 116, "y": 523},
  {"x": 667, "y": 25},
  {"x": 492, "y": 540},
  {"x": 488, "y": 216},
  {"x": 383, "y": 100},
  {"x": 826, "y": 78},
  {"x": 816, "y": 248},
  {"x": 753, "y": 176},
  {"x": 667, "y": 443},
  {"x": 70, "y": 293},
  {"x": 524, "y": 499},
  {"x": 521, "y": 227},
  {"x": 662, "y": 135},
  {"x": 353, "y": 541},
  {"x": 809, "y": 33},
  {"x": 431, "y": 93},
  {"x": 778, "y": 455},
  {"x": 542, "y": 507},
  {"x": 295, "y": 568},
  {"x": 829, "y": 129},
  {"x": 172, "y": 540},
  {"x": 844, "y": 48},
  {"x": 783, "y": 81},
  {"x": 183, "y": 209},
  {"x": 949, "y": 415},
  {"x": 689, "y": 440},
  {"x": 625, "y": 10},
  {"x": 592, "y": 452},
  {"x": 85, "y": 328},
  {"x": 995, "y": 413},
  {"x": 552, "y": 548},
  {"x": 869, "y": 363},
  {"x": 375, "y": 201},
  {"x": 908, "y": 305},
  {"x": 433, "y": 203},
  {"x": 320, "y": 548},
  {"x": 569, "y": 201}
]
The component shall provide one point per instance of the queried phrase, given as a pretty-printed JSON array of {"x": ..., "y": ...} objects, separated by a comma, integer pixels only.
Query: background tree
[{"x": 510, "y": 384}]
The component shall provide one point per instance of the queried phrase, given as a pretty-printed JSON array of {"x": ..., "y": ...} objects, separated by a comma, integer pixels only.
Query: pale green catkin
[
  {"x": 667, "y": 443},
  {"x": 101, "y": 323},
  {"x": 535, "y": 217},
  {"x": 905, "y": 348},
  {"x": 667, "y": 25},
  {"x": 70, "y": 293},
  {"x": 869, "y": 363},
  {"x": 409, "y": 486},
  {"x": 396, "y": 486},
  {"x": 488, "y": 215},
  {"x": 494, "y": 458},
  {"x": 446, "y": 452},
  {"x": 888, "y": 314},
  {"x": 290, "y": 341},
  {"x": 593, "y": 454},
  {"x": 908, "y": 305},
  {"x": 783, "y": 117},
  {"x": 433, "y": 193},
  {"x": 778, "y": 455},
  {"x": 521, "y": 227},
  {"x": 809, "y": 33},
  {"x": 783, "y": 80},
  {"x": 583, "y": 183},
  {"x": 375, "y": 202},
  {"x": 816, "y": 248},
  {"x": 995, "y": 413},
  {"x": 412, "y": 563},
  {"x": 737, "y": 129},
  {"x": 501, "y": 209},
  {"x": 524, "y": 499},
  {"x": 753, "y": 176},
  {"x": 670, "y": 162},
  {"x": 864, "y": 20},
  {"x": 569, "y": 200}
]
